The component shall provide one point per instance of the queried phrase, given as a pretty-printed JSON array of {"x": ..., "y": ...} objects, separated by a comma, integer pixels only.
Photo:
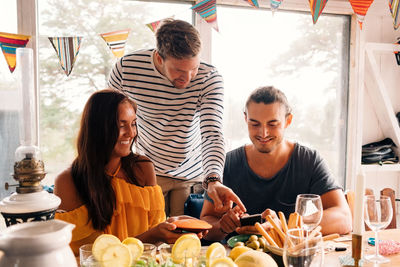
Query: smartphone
[{"x": 251, "y": 219}]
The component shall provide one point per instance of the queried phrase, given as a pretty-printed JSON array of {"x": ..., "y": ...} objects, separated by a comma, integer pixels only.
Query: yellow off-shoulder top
[{"x": 137, "y": 210}]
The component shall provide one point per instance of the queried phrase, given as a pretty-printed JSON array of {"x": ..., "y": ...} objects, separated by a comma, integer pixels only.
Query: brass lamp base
[{"x": 356, "y": 246}]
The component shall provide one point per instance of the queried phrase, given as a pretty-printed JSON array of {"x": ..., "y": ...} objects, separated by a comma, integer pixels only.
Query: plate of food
[
  {"x": 192, "y": 225},
  {"x": 256, "y": 242}
]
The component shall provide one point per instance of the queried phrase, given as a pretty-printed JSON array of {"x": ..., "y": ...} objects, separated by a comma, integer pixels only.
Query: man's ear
[
  {"x": 245, "y": 116},
  {"x": 289, "y": 118},
  {"x": 158, "y": 58}
]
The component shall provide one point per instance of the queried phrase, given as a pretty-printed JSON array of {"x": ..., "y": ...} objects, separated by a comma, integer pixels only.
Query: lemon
[
  {"x": 101, "y": 243},
  {"x": 116, "y": 255},
  {"x": 136, "y": 247},
  {"x": 237, "y": 251},
  {"x": 223, "y": 262},
  {"x": 186, "y": 246},
  {"x": 215, "y": 250},
  {"x": 253, "y": 258}
]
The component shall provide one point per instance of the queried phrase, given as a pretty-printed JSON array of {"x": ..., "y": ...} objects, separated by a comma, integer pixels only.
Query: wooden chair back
[
  {"x": 350, "y": 197},
  {"x": 391, "y": 194}
]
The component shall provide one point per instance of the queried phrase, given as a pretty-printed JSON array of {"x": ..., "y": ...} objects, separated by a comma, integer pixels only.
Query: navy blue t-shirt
[{"x": 304, "y": 173}]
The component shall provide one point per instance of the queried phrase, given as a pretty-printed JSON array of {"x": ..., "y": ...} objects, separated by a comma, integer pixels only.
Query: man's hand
[
  {"x": 224, "y": 197},
  {"x": 230, "y": 221}
]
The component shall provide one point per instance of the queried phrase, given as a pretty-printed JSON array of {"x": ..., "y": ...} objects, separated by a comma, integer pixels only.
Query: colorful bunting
[
  {"x": 207, "y": 9},
  {"x": 397, "y": 53},
  {"x": 394, "y": 6},
  {"x": 154, "y": 25},
  {"x": 253, "y": 3},
  {"x": 360, "y": 7},
  {"x": 116, "y": 41},
  {"x": 275, "y": 5},
  {"x": 67, "y": 49},
  {"x": 316, "y": 7},
  {"x": 9, "y": 43}
]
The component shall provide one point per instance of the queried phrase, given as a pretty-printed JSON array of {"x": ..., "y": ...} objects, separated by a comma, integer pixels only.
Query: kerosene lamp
[{"x": 30, "y": 202}]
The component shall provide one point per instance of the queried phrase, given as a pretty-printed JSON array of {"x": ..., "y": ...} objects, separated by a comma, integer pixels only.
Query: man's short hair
[
  {"x": 177, "y": 39},
  {"x": 268, "y": 95}
]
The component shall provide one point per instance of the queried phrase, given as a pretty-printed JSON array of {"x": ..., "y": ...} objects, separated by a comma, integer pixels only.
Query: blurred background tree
[{"x": 62, "y": 98}]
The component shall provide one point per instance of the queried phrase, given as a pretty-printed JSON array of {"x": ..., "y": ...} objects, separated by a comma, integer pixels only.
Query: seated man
[{"x": 268, "y": 174}]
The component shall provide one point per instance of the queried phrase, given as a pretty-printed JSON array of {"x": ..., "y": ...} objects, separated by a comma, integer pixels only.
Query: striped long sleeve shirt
[{"x": 180, "y": 130}]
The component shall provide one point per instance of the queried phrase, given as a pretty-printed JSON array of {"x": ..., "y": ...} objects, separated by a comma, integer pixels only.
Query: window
[
  {"x": 310, "y": 66},
  {"x": 309, "y": 63},
  {"x": 62, "y": 97},
  {"x": 9, "y": 138}
]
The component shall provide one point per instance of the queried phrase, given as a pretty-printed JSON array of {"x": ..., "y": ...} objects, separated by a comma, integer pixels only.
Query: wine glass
[
  {"x": 300, "y": 251},
  {"x": 309, "y": 206},
  {"x": 378, "y": 214}
]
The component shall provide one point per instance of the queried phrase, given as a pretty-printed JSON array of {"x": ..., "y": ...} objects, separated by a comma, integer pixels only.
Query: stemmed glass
[
  {"x": 378, "y": 214},
  {"x": 299, "y": 251},
  {"x": 309, "y": 206}
]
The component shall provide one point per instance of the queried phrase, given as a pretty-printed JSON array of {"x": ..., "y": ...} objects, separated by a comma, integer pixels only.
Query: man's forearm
[{"x": 336, "y": 220}]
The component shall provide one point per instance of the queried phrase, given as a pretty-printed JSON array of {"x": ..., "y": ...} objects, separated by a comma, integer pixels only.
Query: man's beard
[{"x": 269, "y": 149}]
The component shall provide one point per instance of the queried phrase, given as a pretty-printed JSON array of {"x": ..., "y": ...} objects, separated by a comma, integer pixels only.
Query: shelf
[
  {"x": 379, "y": 96},
  {"x": 379, "y": 168}
]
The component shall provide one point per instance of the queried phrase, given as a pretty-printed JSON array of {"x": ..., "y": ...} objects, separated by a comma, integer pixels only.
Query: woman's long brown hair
[{"x": 97, "y": 137}]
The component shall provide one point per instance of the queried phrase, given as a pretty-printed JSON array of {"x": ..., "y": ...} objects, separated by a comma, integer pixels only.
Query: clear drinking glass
[
  {"x": 309, "y": 206},
  {"x": 300, "y": 251},
  {"x": 378, "y": 214},
  {"x": 86, "y": 259},
  {"x": 166, "y": 260}
]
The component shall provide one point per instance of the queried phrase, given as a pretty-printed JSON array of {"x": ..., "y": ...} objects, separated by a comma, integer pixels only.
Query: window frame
[{"x": 28, "y": 24}]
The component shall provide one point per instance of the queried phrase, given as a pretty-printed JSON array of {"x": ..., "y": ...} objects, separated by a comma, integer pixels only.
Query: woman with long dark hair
[{"x": 108, "y": 188}]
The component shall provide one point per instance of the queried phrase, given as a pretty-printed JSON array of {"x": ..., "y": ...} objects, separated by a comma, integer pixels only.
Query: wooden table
[{"x": 332, "y": 258}]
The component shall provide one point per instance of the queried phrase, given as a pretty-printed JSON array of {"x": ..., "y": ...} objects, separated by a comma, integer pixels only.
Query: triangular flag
[
  {"x": 394, "y": 6},
  {"x": 207, "y": 9},
  {"x": 154, "y": 25},
  {"x": 253, "y": 3},
  {"x": 316, "y": 7},
  {"x": 9, "y": 43},
  {"x": 67, "y": 49},
  {"x": 275, "y": 5},
  {"x": 116, "y": 41},
  {"x": 360, "y": 7}
]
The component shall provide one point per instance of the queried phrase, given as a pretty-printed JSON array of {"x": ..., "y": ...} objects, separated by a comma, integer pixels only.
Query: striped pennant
[
  {"x": 9, "y": 43},
  {"x": 316, "y": 7},
  {"x": 360, "y": 7},
  {"x": 275, "y": 5},
  {"x": 253, "y": 3},
  {"x": 397, "y": 53},
  {"x": 67, "y": 49},
  {"x": 154, "y": 25},
  {"x": 207, "y": 9},
  {"x": 116, "y": 41},
  {"x": 394, "y": 6}
]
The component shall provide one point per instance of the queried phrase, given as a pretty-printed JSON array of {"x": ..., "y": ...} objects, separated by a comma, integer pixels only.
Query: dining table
[{"x": 335, "y": 258}]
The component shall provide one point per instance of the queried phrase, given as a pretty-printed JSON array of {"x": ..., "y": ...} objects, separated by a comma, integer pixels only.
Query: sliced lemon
[
  {"x": 237, "y": 251},
  {"x": 223, "y": 262},
  {"x": 116, "y": 255},
  {"x": 101, "y": 243},
  {"x": 186, "y": 246},
  {"x": 136, "y": 247},
  {"x": 215, "y": 250}
]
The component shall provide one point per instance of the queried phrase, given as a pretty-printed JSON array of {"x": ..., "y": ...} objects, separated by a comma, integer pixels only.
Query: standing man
[
  {"x": 179, "y": 117},
  {"x": 269, "y": 173}
]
